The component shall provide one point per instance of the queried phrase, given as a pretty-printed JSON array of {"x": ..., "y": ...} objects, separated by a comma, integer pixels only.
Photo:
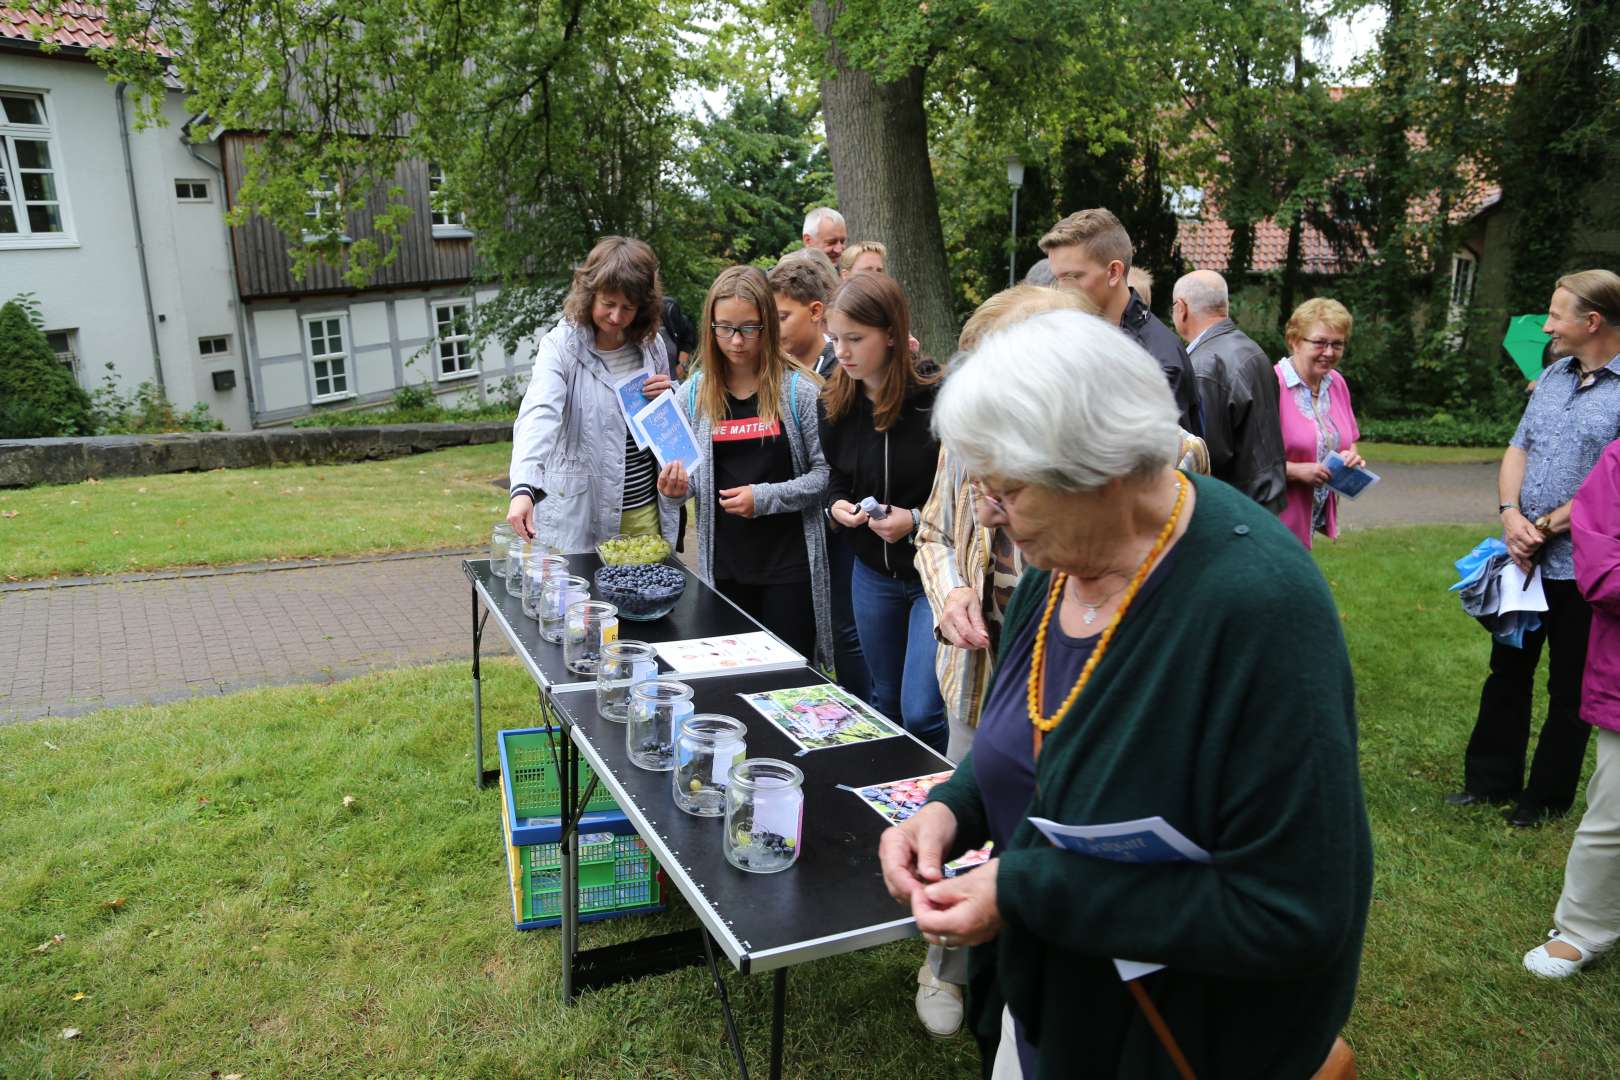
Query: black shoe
[
  {"x": 1531, "y": 817},
  {"x": 1469, "y": 798}
]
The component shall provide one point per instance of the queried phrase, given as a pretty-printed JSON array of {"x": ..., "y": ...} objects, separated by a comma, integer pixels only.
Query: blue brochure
[
  {"x": 1347, "y": 481},
  {"x": 668, "y": 432},
  {"x": 631, "y": 400}
]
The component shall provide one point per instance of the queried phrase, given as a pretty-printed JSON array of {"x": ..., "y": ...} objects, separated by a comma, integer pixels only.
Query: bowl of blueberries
[{"x": 641, "y": 591}]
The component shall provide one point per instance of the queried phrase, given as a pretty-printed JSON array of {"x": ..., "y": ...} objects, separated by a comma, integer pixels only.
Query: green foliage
[
  {"x": 1439, "y": 429},
  {"x": 145, "y": 411},
  {"x": 38, "y": 396}
]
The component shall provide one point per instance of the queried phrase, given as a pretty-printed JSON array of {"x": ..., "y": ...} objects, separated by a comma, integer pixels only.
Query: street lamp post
[{"x": 1015, "y": 179}]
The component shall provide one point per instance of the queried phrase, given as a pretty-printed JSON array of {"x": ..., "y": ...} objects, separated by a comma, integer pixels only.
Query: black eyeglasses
[{"x": 725, "y": 331}]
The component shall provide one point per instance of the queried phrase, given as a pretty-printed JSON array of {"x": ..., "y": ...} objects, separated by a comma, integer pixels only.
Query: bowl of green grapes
[{"x": 633, "y": 550}]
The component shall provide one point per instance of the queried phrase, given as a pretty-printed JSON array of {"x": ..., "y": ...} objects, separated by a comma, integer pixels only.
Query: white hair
[
  {"x": 1204, "y": 291},
  {"x": 821, "y": 215},
  {"x": 1062, "y": 400}
]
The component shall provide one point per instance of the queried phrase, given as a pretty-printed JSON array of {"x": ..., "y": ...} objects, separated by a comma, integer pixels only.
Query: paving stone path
[{"x": 72, "y": 647}]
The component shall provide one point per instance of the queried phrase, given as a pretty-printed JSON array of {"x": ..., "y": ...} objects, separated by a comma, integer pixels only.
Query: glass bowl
[{"x": 641, "y": 592}]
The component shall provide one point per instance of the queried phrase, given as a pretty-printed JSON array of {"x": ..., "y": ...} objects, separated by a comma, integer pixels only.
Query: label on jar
[
  {"x": 642, "y": 670},
  {"x": 725, "y": 756},
  {"x": 610, "y": 631},
  {"x": 779, "y": 811}
]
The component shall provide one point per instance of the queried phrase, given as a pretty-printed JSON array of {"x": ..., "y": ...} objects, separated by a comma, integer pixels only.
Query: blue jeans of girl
[{"x": 896, "y": 628}]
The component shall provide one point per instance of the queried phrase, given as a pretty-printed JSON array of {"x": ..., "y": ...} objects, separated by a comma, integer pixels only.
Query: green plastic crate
[
  {"x": 616, "y": 873},
  {"x": 534, "y": 780}
]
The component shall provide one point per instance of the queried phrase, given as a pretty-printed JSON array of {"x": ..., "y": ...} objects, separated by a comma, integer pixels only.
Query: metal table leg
[
  {"x": 568, "y": 786},
  {"x": 725, "y": 1009},
  {"x": 778, "y": 1017},
  {"x": 480, "y": 777}
]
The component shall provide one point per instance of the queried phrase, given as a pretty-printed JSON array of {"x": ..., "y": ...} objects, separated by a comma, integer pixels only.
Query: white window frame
[
  {"x": 206, "y": 197},
  {"x": 71, "y": 358},
  {"x": 330, "y": 191},
  {"x": 454, "y": 223},
  {"x": 226, "y": 351},
  {"x": 346, "y": 356},
  {"x": 465, "y": 340},
  {"x": 46, "y": 133}
]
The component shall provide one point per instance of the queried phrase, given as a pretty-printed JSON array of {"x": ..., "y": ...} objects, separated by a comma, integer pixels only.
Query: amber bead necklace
[{"x": 1037, "y": 665}]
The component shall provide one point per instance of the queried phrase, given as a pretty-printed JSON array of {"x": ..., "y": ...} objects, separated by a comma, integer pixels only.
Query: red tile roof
[
  {"x": 1207, "y": 245},
  {"x": 69, "y": 23}
]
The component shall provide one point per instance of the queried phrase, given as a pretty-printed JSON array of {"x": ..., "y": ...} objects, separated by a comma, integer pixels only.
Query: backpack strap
[{"x": 793, "y": 399}]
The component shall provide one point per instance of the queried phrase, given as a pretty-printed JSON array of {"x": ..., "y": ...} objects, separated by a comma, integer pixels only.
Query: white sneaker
[
  {"x": 1539, "y": 962},
  {"x": 939, "y": 1004}
]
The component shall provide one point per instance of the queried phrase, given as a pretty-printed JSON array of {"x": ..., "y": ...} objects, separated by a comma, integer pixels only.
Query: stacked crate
[{"x": 617, "y": 874}]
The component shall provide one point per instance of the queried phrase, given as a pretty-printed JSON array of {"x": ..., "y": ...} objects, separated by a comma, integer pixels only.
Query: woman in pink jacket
[
  {"x": 1587, "y": 920},
  {"x": 1316, "y": 415}
]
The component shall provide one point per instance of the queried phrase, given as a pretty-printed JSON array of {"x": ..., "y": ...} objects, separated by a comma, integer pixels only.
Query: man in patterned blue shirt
[{"x": 1573, "y": 415}]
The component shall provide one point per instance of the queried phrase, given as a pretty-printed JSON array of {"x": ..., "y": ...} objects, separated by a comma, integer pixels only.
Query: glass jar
[
  {"x": 624, "y": 664},
  {"x": 589, "y": 625},
  {"x": 764, "y": 815},
  {"x": 537, "y": 568},
  {"x": 500, "y": 539},
  {"x": 706, "y": 747},
  {"x": 518, "y": 550},
  {"x": 657, "y": 709},
  {"x": 557, "y": 595}
]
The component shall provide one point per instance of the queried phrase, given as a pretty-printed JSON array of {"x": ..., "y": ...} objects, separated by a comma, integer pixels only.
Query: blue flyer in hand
[
  {"x": 668, "y": 433},
  {"x": 628, "y": 390},
  {"x": 1347, "y": 481}
]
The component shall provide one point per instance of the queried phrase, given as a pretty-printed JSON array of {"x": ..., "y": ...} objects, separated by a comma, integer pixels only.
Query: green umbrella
[{"x": 1525, "y": 341}]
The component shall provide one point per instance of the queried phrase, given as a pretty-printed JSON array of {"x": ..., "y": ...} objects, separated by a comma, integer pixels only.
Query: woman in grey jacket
[
  {"x": 575, "y": 465},
  {"x": 753, "y": 410}
]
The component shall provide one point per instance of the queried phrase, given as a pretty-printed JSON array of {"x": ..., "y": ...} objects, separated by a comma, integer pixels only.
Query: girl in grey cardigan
[{"x": 761, "y": 482}]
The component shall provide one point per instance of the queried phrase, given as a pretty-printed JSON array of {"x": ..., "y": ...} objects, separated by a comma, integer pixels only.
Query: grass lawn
[
  {"x": 267, "y": 930},
  {"x": 226, "y": 516},
  {"x": 1400, "y": 454}
]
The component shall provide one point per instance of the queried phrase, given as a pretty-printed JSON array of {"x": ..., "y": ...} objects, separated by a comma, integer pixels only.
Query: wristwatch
[
  {"x": 1502, "y": 508},
  {"x": 1544, "y": 524}
]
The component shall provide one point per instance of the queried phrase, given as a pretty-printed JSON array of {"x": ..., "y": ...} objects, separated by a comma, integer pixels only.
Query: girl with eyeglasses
[
  {"x": 875, "y": 426},
  {"x": 759, "y": 486}
]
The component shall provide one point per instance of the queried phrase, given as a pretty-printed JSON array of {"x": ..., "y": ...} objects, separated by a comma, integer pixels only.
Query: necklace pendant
[{"x": 1090, "y": 616}]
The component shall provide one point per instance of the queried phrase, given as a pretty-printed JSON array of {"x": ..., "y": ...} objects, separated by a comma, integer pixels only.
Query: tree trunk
[
  {"x": 877, "y": 138},
  {"x": 1290, "y": 274}
]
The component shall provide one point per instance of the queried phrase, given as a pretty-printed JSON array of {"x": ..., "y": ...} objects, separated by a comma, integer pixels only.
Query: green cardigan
[{"x": 1225, "y": 704}]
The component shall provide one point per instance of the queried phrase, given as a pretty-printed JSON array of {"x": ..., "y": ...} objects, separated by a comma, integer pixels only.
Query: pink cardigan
[
  {"x": 1299, "y": 444},
  {"x": 1595, "y": 527}
]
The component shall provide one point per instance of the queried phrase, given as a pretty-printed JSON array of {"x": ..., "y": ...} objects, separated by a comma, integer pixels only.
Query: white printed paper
[
  {"x": 725, "y": 756},
  {"x": 756, "y": 651},
  {"x": 1520, "y": 593},
  {"x": 778, "y": 811}
]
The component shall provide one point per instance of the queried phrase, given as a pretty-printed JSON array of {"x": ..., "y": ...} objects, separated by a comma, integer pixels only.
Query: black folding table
[{"x": 832, "y": 901}]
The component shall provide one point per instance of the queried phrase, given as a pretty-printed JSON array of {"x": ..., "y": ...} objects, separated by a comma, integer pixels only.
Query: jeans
[
  {"x": 897, "y": 635},
  {"x": 1494, "y": 763},
  {"x": 848, "y": 659}
]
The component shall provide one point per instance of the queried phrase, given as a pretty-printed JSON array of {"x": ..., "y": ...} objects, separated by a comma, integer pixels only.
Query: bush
[
  {"x": 1440, "y": 429},
  {"x": 145, "y": 412},
  {"x": 38, "y": 397}
]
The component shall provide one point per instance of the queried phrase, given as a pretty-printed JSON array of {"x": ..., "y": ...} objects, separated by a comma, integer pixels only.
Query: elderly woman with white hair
[{"x": 1138, "y": 677}]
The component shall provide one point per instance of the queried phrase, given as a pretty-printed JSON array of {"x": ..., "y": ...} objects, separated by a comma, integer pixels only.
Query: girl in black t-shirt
[{"x": 760, "y": 484}]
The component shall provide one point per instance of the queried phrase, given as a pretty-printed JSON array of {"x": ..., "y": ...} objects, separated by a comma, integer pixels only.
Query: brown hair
[
  {"x": 846, "y": 261},
  {"x": 1016, "y": 304},
  {"x": 749, "y": 284},
  {"x": 1596, "y": 290},
  {"x": 622, "y": 265},
  {"x": 1318, "y": 309},
  {"x": 804, "y": 275},
  {"x": 877, "y": 300},
  {"x": 1097, "y": 232}
]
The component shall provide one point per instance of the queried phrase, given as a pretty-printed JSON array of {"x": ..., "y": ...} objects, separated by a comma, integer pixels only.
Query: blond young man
[{"x": 1091, "y": 254}]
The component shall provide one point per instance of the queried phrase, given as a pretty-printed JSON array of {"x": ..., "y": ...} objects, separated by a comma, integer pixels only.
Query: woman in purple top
[
  {"x": 1316, "y": 416},
  {"x": 1587, "y": 920}
]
